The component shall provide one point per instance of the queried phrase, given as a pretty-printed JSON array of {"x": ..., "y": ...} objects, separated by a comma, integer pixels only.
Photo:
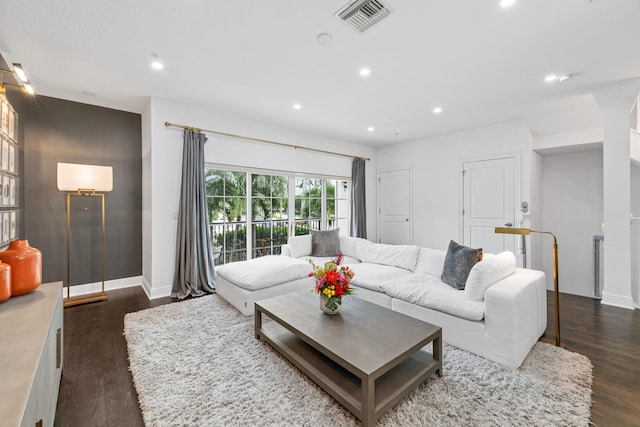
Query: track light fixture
[
  {"x": 19, "y": 72},
  {"x": 20, "y": 77}
]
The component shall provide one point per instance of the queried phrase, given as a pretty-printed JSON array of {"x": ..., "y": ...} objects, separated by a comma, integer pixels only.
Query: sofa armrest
[
  {"x": 285, "y": 250},
  {"x": 516, "y": 307}
]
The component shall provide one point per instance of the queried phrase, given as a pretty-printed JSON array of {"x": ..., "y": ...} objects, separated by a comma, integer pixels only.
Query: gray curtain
[
  {"x": 195, "y": 273},
  {"x": 358, "y": 199}
]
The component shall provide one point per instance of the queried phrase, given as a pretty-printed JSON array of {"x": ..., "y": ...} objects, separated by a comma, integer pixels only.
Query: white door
[
  {"x": 489, "y": 202},
  {"x": 394, "y": 207}
]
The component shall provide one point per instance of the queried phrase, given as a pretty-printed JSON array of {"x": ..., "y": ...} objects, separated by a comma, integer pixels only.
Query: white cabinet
[{"x": 31, "y": 344}]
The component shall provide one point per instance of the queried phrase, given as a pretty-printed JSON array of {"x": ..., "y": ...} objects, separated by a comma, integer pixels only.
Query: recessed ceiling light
[
  {"x": 364, "y": 72},
  {"x": 324, "y": 38},
  {"x": 437, "y": 110},
  {"x": 371, "y": 128},
  {"x": 156, "y": 64},
  {"x": 297, "y": 106},
  {"x": 507, "y": 3},
  {"x": 560, "y": 78}
]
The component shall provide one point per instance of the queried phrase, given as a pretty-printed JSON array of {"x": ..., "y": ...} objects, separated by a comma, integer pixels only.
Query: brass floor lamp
[
  {"x": 84, "y": 181},
  {"x": 526, "y": 232}
]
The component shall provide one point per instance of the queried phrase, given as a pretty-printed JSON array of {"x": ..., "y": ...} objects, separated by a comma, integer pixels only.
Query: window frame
[{"x": 292, "y": 221}]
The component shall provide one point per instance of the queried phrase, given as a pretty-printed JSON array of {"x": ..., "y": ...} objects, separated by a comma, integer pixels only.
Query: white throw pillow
[
  {"x": 430, "y": 261},
  {"x": 300, "y": 245},
  {"x": 348, "y": 246},
  {"x": 487, "y": 272},
  {"x": 403, "y": 256}
]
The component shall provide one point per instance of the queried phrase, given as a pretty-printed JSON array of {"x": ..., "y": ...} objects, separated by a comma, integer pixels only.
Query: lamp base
[
  {"x": 551, "y": 341},
  {"x": 85, "y": 299}
]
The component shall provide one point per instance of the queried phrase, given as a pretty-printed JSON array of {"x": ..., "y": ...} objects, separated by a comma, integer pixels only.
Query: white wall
[
  {"x": 572, "y": 208},
  {"x": 147, "y": 230},
  {"x": 534, "y": 249},
  {"x": 577, "y": 161},
  {"x": 437, "y": 174},
  {"x": 635, "y": 189},
  {"x": 161, "y": 192},
  {"x": 635, "y": 233},
  {"x": 569, "y": 140},
  {"x": 634, "y": 146}
]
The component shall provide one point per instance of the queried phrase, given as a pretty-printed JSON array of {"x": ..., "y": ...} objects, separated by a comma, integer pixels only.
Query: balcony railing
[
  {"x": 231, "y": 237},
  {"x": 267, "y": 237}
]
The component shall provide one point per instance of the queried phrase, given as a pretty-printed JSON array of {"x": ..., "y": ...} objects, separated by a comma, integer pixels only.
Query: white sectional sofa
[{"x": 499, "y": 315}]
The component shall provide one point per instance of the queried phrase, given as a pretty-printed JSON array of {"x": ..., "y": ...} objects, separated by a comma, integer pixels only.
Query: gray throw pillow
[
  {"x": 458, "y": 263},
  {"x": 325, "y": 243}
]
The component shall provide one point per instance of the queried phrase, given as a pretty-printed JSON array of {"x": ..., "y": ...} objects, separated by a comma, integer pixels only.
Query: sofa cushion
[
  {"x": 430, "y": 261},
  {"x": 264, "y": 272},
  {"x": 325, "y": 243},
  {"x": 300, "y": 245},
  {"x": 485, "y": 273},
  {"x": 370, "y": 275},
  {"x": 404, "y": 256},
  {"x": 348, "y": 246},
  {"x": 458, "y": 263},
  {"x": 428, "y": 291}
]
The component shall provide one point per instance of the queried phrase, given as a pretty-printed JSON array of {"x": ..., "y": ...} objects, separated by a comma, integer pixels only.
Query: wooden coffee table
[{"x": 366, "y": 357}]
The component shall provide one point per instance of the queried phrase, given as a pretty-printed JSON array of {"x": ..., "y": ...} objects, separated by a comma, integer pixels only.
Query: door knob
[{"x": 508, "y": 224}]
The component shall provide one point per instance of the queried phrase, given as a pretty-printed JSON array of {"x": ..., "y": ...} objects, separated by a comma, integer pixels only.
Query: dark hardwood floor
[
  {"x": 610, "y": 338},
  {"x": 97, "y": 388}
]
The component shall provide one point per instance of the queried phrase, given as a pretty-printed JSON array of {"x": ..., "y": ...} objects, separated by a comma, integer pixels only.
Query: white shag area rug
[{"x": 198, "y": 363}]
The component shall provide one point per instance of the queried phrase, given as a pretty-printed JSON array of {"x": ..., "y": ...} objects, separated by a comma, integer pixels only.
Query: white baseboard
[
  {"x": 614, "y": 300},
  {"x": 154, "y": 293},
  {"x": 146, "y": 287},
  {"x": 109, "y": 285},
  {"x": 126, "y": 282}
]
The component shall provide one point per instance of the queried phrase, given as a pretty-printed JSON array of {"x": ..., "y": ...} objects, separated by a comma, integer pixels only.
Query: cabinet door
[{"x": 43, "y": 399}]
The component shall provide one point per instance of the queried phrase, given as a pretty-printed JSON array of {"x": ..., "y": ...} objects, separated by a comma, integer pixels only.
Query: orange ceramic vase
[
  {"x": 26, "y": 267},
  {"x": 5, "y": 281}
]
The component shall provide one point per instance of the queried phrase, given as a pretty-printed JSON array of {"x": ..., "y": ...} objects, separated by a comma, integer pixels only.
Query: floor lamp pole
[
  {"x": 556, "y": 294},
  {"x": 99, "y": 296},
  {"x": 555, "y": 289}
]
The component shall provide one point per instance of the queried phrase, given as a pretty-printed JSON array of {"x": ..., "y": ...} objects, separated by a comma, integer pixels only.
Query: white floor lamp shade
[{"x": 74, "y": 177}]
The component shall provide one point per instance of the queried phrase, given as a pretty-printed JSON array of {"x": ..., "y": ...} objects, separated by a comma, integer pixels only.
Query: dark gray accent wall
[{"x": 52, "y": 131}]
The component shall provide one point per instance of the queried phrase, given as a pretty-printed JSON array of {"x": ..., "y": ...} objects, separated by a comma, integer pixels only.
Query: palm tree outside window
[{"x": 252, "y": 213}]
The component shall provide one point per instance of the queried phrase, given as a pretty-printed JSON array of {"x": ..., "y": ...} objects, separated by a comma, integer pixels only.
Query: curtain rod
[{"x": 281, "y": 144}]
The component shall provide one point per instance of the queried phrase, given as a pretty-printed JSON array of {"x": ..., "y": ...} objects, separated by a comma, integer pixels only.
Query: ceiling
[{"x": 480, "y": 62}]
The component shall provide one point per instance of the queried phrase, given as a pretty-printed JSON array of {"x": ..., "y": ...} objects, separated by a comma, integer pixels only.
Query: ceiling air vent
[{"x": 361, "y": 14}]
